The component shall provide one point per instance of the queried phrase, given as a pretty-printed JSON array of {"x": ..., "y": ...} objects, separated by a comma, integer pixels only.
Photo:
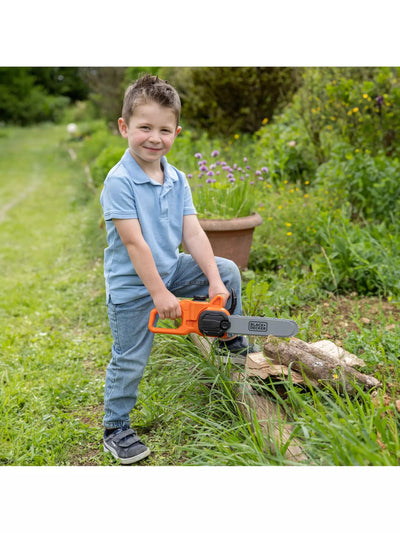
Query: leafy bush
[
  {"x": 285, "y": 147},
  {"x": 369, "y": 184},
  {"x": 356, "y": 258},
  {"x": 105, "y": 161},
  {"x": 228, "y": 100},
  {"x": 22, "y": 102},
  {"x": 358, "y": 106},
  {"x": 94, "y": 142}
]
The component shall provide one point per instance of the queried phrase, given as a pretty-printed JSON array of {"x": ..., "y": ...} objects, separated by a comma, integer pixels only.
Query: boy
[{"x": 148, "y": 211}]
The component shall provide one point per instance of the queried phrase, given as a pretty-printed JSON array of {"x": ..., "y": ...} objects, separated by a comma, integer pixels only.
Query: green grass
[{"x": 55, "y": 343}]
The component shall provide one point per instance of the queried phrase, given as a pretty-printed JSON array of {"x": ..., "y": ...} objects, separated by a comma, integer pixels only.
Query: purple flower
[
  {"x": 232, "y": 179},
  {"x": 261, "y": 178},
  {"x": 264, "y": 169},
  {"x": 203, "y": 168},
  {"x": 245, "y": 159},
  {"x": 252, "y": 183},
  {"x": 198, "y": 155},
  {"x": 190, "y": 176},
  {"x": 247, "y": 168},
  {"x": 258, "y": 173},
  {"x": 230, "y": 176},
  {"x": 210, "y": 180},
  {"x": 210, "y": 173},
  {"x": 379, "y": 100},
  {"x": 214, "y": 153}
]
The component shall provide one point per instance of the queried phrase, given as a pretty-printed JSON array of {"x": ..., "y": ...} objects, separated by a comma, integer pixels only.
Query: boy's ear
[
  {"x": 178, "y": 130},
  {"x": 123, "y": 128}
]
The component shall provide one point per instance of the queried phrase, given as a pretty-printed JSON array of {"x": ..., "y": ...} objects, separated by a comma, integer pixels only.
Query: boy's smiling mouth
[{"x": 152, "y": 148}]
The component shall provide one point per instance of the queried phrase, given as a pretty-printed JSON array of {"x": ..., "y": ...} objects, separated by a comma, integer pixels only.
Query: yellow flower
[
  {"x": 335, "y": 376},
  {"x": 306, "y": 196},
  {"x": 236, "y": 136},
  {"x": 355, "y": 110},
  {"x": 365, "y": 95},
  {"x": 288, "y": 224},
  {"x": 306, "y": 183},
  {"x": 349, "y": 112},
  {"x": 289, "y": 233},
  {"x": 279, "y": 207},
  {"x": 265, "y": 120}
]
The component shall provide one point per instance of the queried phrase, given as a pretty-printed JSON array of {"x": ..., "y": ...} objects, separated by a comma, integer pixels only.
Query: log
[
  {"x": 257, "y": 364},
  {"x": 319, "y": 363},
  {"x": 274, "y": 424}
]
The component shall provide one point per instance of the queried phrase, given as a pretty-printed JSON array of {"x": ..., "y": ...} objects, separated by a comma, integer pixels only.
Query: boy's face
[{"x": 151, "y": 133}]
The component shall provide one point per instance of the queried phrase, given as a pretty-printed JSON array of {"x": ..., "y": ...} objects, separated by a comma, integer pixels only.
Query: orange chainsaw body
[{"x": 191, "y": 311}]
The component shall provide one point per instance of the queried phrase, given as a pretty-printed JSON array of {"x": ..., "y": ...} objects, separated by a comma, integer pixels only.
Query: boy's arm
[
  {"x": 199, "y": 247},
  {"x": 165, "y": 302}
]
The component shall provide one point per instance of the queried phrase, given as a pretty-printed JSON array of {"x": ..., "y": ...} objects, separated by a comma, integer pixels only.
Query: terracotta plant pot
[{"x": 232, "y": 238}]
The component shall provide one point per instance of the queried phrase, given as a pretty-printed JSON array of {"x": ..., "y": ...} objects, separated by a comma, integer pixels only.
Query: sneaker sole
[{"x": 127, "y": 460}]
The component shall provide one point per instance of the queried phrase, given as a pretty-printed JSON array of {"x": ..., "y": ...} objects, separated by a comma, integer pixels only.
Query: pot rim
[{"x": 250, "y": 221}]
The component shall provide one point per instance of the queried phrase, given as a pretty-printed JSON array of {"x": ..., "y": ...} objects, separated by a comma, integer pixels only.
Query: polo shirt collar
[{"x": 139, "y": 176}]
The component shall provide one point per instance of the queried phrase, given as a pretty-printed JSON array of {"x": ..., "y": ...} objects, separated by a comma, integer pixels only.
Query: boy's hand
[
  {"x": 219, "y": 289},
  {"x": 167, "y": 305}
]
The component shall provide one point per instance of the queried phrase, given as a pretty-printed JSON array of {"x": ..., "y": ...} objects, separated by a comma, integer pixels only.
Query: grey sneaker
[
  {"x": 235, "y": 349},
  {"x": 125, "y": 445}
]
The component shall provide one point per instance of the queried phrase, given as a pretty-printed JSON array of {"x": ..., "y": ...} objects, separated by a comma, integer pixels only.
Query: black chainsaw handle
[{"x": 233, "y": 300}]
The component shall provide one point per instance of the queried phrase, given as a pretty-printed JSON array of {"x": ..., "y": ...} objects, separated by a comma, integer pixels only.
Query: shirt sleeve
[
  {"x": 188, "y": 207},
  {"x": 118, "y": 199}
]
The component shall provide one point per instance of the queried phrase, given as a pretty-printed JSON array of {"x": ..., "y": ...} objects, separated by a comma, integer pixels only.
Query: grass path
[{"x": 53, "y": 330}]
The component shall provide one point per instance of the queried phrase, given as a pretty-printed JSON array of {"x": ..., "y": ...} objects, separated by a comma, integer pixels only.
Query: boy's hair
[{"x": 150, "y": 88}]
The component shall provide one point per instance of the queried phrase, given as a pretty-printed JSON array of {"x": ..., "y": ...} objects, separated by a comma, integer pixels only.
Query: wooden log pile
[{"x": 318, "y": 364}]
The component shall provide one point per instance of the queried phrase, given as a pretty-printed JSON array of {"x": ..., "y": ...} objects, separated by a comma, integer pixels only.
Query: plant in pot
[{"x": 225, "y": 196}]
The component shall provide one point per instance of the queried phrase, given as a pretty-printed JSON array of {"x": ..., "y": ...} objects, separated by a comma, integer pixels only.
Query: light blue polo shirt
[{"x": 129, "y": 193}]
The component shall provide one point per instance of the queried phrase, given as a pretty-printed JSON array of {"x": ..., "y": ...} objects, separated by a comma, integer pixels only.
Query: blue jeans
[{"x": 133, "y": 340}]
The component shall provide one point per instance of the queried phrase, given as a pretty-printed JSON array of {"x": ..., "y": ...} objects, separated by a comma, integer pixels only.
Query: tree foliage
[
  {"x": 32, "y": 94},
  {"x": 228, "y": 100}
]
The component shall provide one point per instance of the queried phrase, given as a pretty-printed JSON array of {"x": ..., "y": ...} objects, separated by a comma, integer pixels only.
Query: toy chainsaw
[{"x": 213, "y": 320}]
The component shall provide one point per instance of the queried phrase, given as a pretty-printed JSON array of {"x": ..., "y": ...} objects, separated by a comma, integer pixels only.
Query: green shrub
[
  {"x": 369, "y": 184},
  {"x": 365, "y": 259},
  {"x": 94, "y": 143},
  {"x": 229, "y": 100},
  {"x": 107, "y": 158},
  {"x": 359, "y": 106},
  {"x": 22, "y": 102},
  {"x": 284, "y": 146}
]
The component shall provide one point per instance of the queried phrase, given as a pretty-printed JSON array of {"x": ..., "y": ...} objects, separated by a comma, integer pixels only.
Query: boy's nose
[{"x": 154, "y": 137}]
